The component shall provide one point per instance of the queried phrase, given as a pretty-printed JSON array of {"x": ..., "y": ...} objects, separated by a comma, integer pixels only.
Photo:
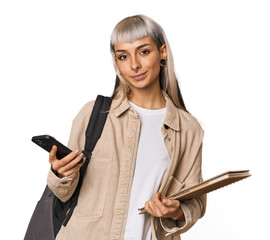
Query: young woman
[{"x": 150, "y": 148}]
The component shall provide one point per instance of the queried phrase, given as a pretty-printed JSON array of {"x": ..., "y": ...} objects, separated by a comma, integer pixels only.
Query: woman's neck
[{"x": 148, "y": 99}]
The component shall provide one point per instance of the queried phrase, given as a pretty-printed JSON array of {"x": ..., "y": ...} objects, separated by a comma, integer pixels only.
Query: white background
[{"x": 54, "y": 57}]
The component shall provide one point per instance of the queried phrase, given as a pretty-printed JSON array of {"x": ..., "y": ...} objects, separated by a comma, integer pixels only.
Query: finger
[
  {"x": 173, "y": 207},
  {"x": 157, "y": 195},
  {"x": 171, "y": 203},
  {"x": 52, "y": 154},
  {"x": 160, "y": 209},
  {"x": 67, "y": 159},
  {"x": 71, "y": 164},
  {"x": 148, "y": 208},
  {"x": 71, "y": 171},
  {"x": 157, "y": 212}
]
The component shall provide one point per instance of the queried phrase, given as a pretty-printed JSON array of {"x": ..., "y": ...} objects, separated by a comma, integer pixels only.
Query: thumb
[
  {"x": 169, "y": 202},
  {"x": 52, "y": 154},
  {"x": 165, "y": 201}
]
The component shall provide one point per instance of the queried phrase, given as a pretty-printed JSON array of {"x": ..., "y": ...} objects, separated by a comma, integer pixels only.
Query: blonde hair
[{"x": 137, "y": 27}]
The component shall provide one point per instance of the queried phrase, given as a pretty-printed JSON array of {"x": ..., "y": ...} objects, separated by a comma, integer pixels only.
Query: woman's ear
[{"x": 163, "y": 52}]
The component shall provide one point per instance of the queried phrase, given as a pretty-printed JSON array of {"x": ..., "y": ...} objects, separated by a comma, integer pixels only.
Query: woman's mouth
[{"x": 139, "y": 76}]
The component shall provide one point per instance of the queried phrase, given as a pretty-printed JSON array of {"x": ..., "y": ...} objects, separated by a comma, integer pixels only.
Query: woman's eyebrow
[{"x": 141, "y": 46}]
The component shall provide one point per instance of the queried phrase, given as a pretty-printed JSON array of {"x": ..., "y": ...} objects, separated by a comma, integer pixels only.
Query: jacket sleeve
[
  {"x": 194, "y": 208},
  {"x": 63, "y": 188}
]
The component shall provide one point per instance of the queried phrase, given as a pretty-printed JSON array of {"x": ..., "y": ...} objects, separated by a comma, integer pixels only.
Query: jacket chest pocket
[
  {"x": 94, "y": 189},
  {"x": 172, "y": 187}
]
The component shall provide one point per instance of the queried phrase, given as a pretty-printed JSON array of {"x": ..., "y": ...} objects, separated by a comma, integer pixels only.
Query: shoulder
[
  {"x": 189, "y": 123},
  {"x": 85, "y": 112},
  {"x": 79, "y": 125}
]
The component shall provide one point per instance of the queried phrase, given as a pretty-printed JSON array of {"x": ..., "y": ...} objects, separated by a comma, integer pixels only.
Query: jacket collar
[
  {"x": 121, "y": 106},
  {"x": 171, "y": 120}
]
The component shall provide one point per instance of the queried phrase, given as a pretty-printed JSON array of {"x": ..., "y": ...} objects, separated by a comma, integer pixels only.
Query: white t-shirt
[{"x": 151, "y": 163}]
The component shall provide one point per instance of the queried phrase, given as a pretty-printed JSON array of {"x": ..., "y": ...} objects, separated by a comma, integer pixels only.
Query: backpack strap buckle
[{"x": 87, "y": 154}]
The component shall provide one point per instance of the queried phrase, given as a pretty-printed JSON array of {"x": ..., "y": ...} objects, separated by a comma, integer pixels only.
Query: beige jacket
[{"x": 103, "y": 203}]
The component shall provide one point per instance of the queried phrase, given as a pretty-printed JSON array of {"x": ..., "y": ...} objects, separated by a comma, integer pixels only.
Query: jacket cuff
[
  {"x": 62, "y": 186},
  {"x": 173, "y": 227}
]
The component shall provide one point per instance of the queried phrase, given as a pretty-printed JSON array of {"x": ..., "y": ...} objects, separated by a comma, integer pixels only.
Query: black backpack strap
[
  {"x": 96, "y": 124},
  {"x": 92, "y": 134}
]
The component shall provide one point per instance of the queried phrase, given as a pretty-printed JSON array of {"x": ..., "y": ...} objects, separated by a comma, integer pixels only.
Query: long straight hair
[{"x": 135, "y": 28}]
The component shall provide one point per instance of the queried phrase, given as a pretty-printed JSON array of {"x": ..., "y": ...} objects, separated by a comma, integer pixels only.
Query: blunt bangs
[{"x": 135, "y": 28}]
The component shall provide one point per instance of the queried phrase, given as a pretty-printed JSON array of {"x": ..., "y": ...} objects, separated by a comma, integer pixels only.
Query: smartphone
[{"x": 47, "y": 142}]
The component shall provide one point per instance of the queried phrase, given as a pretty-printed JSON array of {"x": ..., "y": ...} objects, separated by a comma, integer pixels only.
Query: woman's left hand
[{"x": 161, "y": 207}]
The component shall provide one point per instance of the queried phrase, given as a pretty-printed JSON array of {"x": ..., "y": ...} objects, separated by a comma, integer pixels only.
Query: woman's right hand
[{"x": 66, "y": 166}]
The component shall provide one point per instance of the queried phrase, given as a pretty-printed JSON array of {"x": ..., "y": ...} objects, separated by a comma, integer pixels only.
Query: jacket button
[{"x": 169, "y": 139}]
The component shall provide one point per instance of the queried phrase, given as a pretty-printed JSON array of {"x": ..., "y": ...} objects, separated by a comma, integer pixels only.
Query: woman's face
[{"x": 139, "y": 62}]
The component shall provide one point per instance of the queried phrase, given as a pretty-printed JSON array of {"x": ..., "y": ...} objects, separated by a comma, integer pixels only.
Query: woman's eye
[
  {"x": 122, "y": 57},
  {"x": 144, "y": 52}
]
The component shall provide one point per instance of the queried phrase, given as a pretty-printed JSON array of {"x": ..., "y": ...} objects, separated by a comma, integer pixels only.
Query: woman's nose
[{"x": 135, "y": 64}]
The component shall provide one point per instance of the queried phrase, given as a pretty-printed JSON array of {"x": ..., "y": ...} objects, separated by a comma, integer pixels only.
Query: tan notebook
[{"x": 209, "y": 185}]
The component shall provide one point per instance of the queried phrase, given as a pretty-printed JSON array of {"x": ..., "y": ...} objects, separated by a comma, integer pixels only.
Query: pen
[{"x": 142, "y": 210}]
